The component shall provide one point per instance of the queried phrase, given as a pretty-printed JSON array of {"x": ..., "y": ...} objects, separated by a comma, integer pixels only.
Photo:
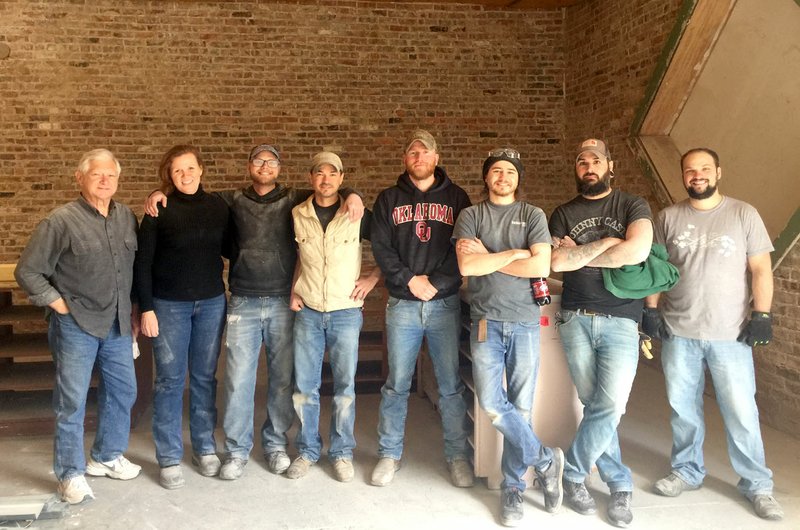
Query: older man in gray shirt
[{"x": 79, "y": 263}]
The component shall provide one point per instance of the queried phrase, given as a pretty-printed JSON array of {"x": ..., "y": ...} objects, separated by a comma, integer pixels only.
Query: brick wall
[
  {"x": 355, "y": 77},
  {"x": 778, "y": 365},
  {"x": 612, "y": 49}
]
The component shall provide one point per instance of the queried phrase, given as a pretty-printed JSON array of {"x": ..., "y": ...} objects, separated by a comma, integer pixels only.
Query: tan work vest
[{"x": 330, "y": 261}]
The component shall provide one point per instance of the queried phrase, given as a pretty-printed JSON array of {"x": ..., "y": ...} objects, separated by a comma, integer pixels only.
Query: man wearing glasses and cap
[
  {"x": 411, "y": 228},
  {"x": 260, "y": 280},
  {"x": 600, "y": 228},
  {"x": 502, "y": 243}
]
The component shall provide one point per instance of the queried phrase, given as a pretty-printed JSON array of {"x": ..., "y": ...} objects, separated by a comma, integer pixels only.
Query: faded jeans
[
  {"x": 75, "y": 353},
  {"x": 314, "y": 332},
  {"x": 254, "y": 320},
  {"x": 730, "y": 364},
  {"x": 189, "y": 339},
  {"x": 602, "y": 354},
  {"x": 407, "y": 322},
  {"x": 513, "y": 348}
]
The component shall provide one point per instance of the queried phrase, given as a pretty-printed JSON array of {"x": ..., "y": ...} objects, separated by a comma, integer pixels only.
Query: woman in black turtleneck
[{"x": 178, "y": 282}]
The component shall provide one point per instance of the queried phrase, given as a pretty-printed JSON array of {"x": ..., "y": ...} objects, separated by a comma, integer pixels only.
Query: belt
[{"x": 590, "y": 313}]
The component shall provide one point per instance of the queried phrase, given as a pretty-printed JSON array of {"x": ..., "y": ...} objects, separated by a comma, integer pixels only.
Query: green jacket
[{"x": 653, "y": 275}]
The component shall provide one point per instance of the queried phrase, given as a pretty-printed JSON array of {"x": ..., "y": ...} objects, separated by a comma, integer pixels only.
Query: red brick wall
[
  {"x": 355, "y": 77},
  {"x": 778, "y": 365},
  {"x": 611, "y": 48}
]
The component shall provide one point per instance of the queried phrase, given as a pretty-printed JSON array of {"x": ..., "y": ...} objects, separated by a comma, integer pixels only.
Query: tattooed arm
[{"x": 569, "y": 256}]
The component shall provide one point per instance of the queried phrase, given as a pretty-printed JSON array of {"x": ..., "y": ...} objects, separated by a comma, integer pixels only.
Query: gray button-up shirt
[{"x": 87, "y": 259}]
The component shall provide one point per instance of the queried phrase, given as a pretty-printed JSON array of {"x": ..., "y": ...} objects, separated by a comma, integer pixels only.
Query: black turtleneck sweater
[{"x": 179, "y": 255}]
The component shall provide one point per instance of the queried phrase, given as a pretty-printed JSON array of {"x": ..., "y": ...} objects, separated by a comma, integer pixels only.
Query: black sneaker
[
  {"x": 619, "y": 509},
  {"x": 511, "y": 508},
  {"x": 578, "y": 498},
  {"x": 550, "y": 480}
]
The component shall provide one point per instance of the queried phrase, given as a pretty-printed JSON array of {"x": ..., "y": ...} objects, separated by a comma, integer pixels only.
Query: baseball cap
[
  {"x": 424, "y": 137},
  {"x": 326, "y": 157},
  {"x": 595, "y": 146},
  {"x": 264, "y": 147}
]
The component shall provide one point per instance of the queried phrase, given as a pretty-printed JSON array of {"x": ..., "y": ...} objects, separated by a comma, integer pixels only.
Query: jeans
[
  {"x": 189, "y": 336},
  {"x": 75, "y": 353},
  {"x": 407, "y": 322},
  {"x": 251, "y": 321},
  {"x": 314, "y": 332},
  {"x": 602, "y": 354},
  {"x": 513, "y": 348},
  {"x": 730, "y": 364}
]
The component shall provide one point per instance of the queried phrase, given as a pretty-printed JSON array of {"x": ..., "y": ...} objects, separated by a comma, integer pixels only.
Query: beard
[
  {"x": 700, "y": 195},
  {"x": 589, "y": 189}
]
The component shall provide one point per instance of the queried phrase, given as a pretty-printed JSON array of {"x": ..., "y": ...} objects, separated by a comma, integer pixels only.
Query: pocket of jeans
[
  {"x": 452, "y": 302},
  {"x": 392, "y": 302},
  {"x": 235, "y": 302},
  {"x": 563, "y": 317}
]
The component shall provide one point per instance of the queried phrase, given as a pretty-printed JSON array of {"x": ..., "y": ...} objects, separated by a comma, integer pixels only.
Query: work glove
[
  {"x": 653, "y": 324},
  {"x": 758, "y": 330}
]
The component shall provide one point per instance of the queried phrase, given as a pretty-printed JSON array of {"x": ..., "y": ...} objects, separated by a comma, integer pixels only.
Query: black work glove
[
  {"x": 653, "y": 324},
  {"x": 758, "y": 330}
]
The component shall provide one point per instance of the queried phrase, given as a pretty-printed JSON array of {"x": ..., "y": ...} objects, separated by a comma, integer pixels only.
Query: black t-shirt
[
  {"x": 584, "y": 221},
  {"x": 325, "y": 214}
]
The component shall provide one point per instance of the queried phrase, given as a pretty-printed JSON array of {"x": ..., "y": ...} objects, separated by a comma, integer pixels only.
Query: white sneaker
[
  {"x": 75, "y": 490},
  {"x": 121, "y": 468}
]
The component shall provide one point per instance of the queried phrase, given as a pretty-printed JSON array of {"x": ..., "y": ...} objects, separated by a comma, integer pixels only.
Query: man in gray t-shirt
[
  {"x": 500, "y": 244},
  {"x": 715, "y": 241}
]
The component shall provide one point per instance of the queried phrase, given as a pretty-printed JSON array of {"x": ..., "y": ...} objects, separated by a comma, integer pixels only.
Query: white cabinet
[{"x": 557, "y": 411}]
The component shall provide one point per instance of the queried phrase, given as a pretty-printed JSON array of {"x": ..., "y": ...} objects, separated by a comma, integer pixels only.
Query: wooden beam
[{"x": 692, "y": 52}]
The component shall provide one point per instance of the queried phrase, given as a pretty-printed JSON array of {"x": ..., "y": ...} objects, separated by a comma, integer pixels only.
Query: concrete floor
[{"x": 421, "y": 496}]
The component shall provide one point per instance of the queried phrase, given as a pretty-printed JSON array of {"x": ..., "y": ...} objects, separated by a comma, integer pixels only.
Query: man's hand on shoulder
[
  {"x": 151, "y": 203},
  {"x": 354, "y": 206}
]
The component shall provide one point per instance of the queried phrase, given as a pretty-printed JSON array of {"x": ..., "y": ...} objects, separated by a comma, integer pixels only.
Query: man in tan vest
[{"x": 327, "y": 296}]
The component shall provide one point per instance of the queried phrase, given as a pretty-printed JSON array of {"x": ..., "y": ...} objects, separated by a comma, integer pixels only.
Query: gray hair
[{"x": 95, "y": 154}]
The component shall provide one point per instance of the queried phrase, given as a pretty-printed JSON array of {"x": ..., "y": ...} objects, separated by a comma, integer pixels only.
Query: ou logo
[{"x": 423, "y": 231}]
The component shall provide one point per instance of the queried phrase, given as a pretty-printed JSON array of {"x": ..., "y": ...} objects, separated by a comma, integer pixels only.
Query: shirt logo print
[{"x": 722, "y": 244}]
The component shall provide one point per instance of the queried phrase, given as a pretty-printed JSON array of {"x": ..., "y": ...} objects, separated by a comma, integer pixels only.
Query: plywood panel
[{"x": 698, "y": 39}]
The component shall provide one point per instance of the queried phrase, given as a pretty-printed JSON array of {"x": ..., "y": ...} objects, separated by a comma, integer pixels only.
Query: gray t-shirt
[
  {"x": 500, "y": 296},
  {"x": 710, "y": 248}
]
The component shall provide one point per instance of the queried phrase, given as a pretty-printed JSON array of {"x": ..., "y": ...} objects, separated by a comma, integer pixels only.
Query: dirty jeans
[{"x": 314, "y": 332}]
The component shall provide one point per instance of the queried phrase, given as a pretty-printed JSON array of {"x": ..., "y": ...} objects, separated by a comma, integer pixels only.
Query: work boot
[
  {"x": 461, "y": 474},
  {"x": 299, "y": 467},
  {"x": 551, "y": 481},
  {"x": 619, "y": 509},
  {"x": 277, "y": 462},
  {"x": 343, "y": 469},
  {"x": 511, "y": 510},
  {"x": 232, "y": 469},
  {"x": 672, "y": 485},
  {"x": 209, "y": 465},
  {"x": 384, "y": 471},
  {"x": 75, "y": 490},
  {"x": 171, "y": 477},
  {"x": 578, "y": 498},
  {"x": 767, "y": 507}
]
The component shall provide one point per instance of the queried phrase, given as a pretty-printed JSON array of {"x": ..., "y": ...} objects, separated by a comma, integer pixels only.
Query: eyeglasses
[
  {"x": 504, "y": 151},
  {"x": 258, "y": 162}
]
